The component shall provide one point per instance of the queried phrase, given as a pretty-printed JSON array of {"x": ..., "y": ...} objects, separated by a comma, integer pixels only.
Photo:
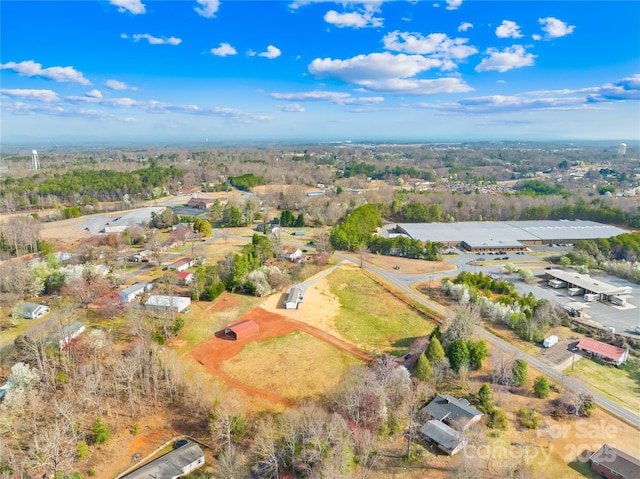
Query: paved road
[{"x": 499, "y": 343}]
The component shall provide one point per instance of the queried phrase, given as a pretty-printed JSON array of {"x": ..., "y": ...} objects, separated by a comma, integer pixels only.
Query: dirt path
[{"x": 214, "y": 351}]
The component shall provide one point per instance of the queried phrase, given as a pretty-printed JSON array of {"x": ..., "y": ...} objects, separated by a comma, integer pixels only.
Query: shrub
[
  {"x": 520, "y": 372},
  {"x": 458, "y": 354},
  {"x": 82, "y": 450},
  {"x": 422, "y": 368},
  {"x": 528, "y": 418},
  {"x": 497, "y": 419},
  {"x": 541, "y": 387},
  {"x": 435, "y": 351},
  {"x": 484, "y": 395}
]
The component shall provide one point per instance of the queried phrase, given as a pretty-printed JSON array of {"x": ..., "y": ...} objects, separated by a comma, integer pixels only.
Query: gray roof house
[
  {"x": 454, "y": 412},
  {"x": 444, "y": 437},
  {"x": 34, "y": 310},
  {"x": 174, "y": 464},
  {"x": 295, "y": 296}
]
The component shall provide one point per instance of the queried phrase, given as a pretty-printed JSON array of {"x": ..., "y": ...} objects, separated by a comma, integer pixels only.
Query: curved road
[{"x": 614, "y": 408}]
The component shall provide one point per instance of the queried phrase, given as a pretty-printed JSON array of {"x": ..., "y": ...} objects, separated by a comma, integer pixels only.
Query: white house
[
  {"x": 185, "y": 278},
  {"x": 133, "y": 292},
  {"x": 292, "y": 254},
  {"x": 182, "y": 264},
  {"x": 34, "y": 311},
  {"x": 174, "y": 464},
  {"x": 68, "y": 332}
]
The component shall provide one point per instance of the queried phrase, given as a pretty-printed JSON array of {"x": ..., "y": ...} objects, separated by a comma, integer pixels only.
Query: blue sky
[{"x": 207, "y": 70}]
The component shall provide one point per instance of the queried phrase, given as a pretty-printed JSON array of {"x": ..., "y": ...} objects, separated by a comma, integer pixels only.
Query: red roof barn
[
  {"x": 607, "y": 352},
  {"x": 242, "y": 329}
]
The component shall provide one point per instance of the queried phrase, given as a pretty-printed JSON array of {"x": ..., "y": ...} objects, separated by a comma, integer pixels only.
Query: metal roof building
[
  {"x": 168, "y": 303},
  {"x": 506, "y": 235},
  {"x": 242, "y": 329},
  {"x": 584, "y": 281},
  {"x": 607, "y": 352}
]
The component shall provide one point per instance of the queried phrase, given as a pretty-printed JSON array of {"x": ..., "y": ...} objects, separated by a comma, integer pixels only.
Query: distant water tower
[
  {"x": 35, "y": 160},
  {"x": 622, "y": 149}
]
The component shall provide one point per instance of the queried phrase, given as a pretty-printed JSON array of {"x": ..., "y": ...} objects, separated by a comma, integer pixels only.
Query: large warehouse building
[{"x": 490, "y": 236}]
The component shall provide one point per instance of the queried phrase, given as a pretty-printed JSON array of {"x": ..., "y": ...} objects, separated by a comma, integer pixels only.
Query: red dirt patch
[{"x": 212, "y": 352}]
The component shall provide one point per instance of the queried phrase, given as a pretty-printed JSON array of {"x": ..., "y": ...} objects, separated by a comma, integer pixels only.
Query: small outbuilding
[
  {"x": 242, "y": 330},
  {"x": 550, "y": 341},
  {"x": 295, "y": 296},
  {"x": 176, "y": 304}
]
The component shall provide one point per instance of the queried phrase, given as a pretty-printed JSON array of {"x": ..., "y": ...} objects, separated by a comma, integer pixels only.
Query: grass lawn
[
  {"x": 373, "y": 318},
  {"x": 621, "y": 384},
  {"x": 295, "y": 366},
  {"x": 205, "y": 319}
]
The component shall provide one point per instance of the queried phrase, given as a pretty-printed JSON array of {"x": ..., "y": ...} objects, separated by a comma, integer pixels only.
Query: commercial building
[{"x": 603, "y": 351}]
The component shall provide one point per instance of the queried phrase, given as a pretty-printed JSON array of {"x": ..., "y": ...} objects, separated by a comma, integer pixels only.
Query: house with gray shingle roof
[
  {"x": 174, "y": 464},
  {"x": 457, "y": 413}
]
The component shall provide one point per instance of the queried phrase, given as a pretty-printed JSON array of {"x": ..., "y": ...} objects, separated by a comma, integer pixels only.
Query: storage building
[{"x": 242, "y": 330}]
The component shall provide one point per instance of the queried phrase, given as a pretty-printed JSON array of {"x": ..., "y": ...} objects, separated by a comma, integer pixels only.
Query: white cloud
[
  {"x": 464, "y": 26},
  {"x": 453, "y": 4},
  {"x": 208, "y": 8},
  {"x": 439, "y": 45},
  {"x": 291, "y": 108},
  {"x": 410, "y": 86},
  {"x": 45, "y": 96},
  {"x": 375, "y": 66},
  {"x": 133, "y": 6},
  {"x": 329, "y": 96},
  {"x": 509, "y": 58},
  {"x": 536, "y": 37},
  {"x": 365, "y": 19},
  {"x": 555, "y": 28},
  {"x": 60, "y": 74},
  {"x": 271, "y": 53},
  {"x": 156, "y": 40},
  {"x": 224, "y": 50},
  {"x": 508, "y": 29},
  {"x": 94, "y": 94},
  {"x": 118, "y": 85}
]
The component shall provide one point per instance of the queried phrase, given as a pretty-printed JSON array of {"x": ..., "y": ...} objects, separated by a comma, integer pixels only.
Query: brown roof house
[
  {"x": 613, "y": 463},
  {"x": 200, "y": 202}
]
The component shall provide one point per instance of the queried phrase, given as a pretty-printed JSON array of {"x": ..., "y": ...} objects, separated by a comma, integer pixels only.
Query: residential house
[
  {"x": 613, "y": 463},
  {"x": 185, "y": 278},
  {"x": 142, "y": 256},
  {"x": 68, "y": 333},
  {"x": 200, "y": 202},
  {"x": 457, "y": 413},
  {"x": 607, "y": 353},
  {"x": 133, "y": 292},
  {"x": 291, "y": 253},
  {"x": 182, "y": 264},
  {"x": 177, "y": 463},
  {"x": 34, "y": 310},
  {"x": 442, "y": 436}
]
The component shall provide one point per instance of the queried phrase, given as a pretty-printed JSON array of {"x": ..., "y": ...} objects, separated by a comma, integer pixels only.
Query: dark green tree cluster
[
  {"x": 468, "y": 353},
  {"x": 207, "y": 284},
  {"x": 415, "y": 212},
  {"x": 625, "y": 247},
  {"x": 539, "y": 188},
  {"x": 233, "y": 217},
  {"x": 165, "y": 219},
  {"x": 100, "y": 185},
  {"x": 357, "y": 227},
  {"x": 247, "y": 181},
  {"x": 406, "y": 247},
  {"x": 360, "y": 168},
  {"x": 234, "y": 269},
  {"x": 287, "y": 218}
]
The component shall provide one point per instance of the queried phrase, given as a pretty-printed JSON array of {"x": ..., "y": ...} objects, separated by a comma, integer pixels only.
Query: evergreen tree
[
  {"x": 422, "y": 368},
  {"x": 541, "y": 387},
  {"x": 478, "y": 352},
  {"x": 100, "y": 431},
  {"x": 520, "y": 371},
  {"x": 484, "y": 395},
  {"x": 458, "y": 354},
  {"x": 435, "y": 351}
]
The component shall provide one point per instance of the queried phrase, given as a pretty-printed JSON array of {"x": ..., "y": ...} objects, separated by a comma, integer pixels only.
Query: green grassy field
[
  {"x": 621, "y": 385},
  {"x": 372, "y": 318},
  {"x": 295, "y": 366}
]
